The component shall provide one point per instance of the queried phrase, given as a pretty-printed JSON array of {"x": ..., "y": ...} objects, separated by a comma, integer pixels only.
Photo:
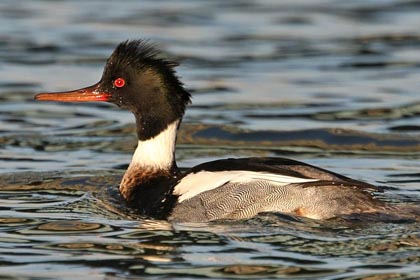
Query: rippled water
[{"x": 332, "y": 83}]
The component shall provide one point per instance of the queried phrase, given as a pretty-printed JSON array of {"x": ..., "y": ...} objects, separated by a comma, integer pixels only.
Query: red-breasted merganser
[{"x": 137, "y": 79}]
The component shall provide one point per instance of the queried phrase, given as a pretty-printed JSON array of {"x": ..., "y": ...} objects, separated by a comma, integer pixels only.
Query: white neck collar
[{"x": 157, "y": 152}]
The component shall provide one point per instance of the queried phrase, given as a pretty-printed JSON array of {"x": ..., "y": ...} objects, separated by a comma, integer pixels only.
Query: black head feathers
[
  {"x": 136, "y": 78},
  {"x": 142, "y": 81},
  {"x": 139, "y": 54}
]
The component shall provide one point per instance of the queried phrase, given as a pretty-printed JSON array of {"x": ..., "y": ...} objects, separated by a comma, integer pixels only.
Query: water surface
[{"x": 332, "y": 83}]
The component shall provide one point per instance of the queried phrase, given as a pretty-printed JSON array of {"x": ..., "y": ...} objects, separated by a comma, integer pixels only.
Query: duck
[{"x": 139, "y": 79}]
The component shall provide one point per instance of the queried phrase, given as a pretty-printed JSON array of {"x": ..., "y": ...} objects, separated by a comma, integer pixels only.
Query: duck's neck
[
  {"x": 158, "y": 152},
  {"x": 153, "y": 160}
]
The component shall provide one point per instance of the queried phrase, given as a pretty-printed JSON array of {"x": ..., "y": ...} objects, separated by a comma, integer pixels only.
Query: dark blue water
[{"x": 332, "y": 83}]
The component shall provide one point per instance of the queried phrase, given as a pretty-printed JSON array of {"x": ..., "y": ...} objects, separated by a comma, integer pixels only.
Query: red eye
[{"x": 120, "y": 82}]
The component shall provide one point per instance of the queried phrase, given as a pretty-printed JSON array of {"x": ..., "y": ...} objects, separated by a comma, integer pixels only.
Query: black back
[{"x": 281, "y": 166}]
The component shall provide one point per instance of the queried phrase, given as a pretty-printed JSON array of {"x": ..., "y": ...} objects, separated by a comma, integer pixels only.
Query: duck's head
[{"x": 137, "y": 79}]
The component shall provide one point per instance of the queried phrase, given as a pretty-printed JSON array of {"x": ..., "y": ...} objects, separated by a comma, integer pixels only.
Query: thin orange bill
[{"x": 88, "y": 94}]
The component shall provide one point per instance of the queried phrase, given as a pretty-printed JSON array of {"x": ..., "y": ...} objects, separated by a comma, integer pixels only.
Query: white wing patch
[{"x": 196, "y": 183}]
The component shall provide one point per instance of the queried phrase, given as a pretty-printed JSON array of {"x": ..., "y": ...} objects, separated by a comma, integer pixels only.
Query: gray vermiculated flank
[{"x": 245, "y": 200}]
